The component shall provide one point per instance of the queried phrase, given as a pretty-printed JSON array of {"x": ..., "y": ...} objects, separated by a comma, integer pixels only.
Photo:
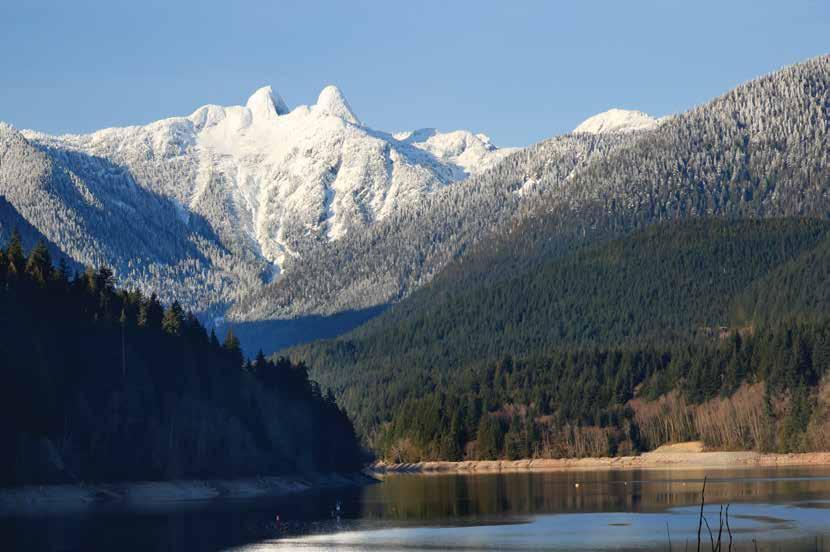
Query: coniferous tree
[
  {"x": 453, "y": 440},
  {"x": 515, "y": 443},
  {"x": 489, "y": 443},
  {"x": 233, "y": 346},
  {"x": 214, "y": 341},
  {"x": 151, "y": 313},
  {"x": 14, "y": 254},
  {"x": 88, "y": 396},
  {"x": 60, "y": 275},
  {"x": 39, "y": 264},
  {"x": 173, "y": 319},
  {"x": 260, "y": 362}
]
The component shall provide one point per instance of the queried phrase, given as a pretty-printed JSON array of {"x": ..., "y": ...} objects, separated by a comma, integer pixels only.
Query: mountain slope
[
  {"x": 617, "y": 401},
  {"x": 668, "y": 282},
  {"x": 109, "y": 219},
  {"x": 760, "y": 150},
  {"x": 387, "y": 262},
  {"x": 246, "y": 190},
  {"x": 797, "y": 289}
]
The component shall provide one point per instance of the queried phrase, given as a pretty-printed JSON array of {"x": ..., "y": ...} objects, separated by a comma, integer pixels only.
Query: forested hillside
[
  {"x": 759, "y": 151},
  {"x": 756, "y": 392},
  {"x": 797, "y": 288},
  {"x": 104, "y": 384},
  {"x": 671, "y": 283},
  {"x": 407, "y": 249}
]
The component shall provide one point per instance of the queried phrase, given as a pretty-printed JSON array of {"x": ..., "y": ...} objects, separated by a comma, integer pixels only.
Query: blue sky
[{"x": 519, "y": 71}]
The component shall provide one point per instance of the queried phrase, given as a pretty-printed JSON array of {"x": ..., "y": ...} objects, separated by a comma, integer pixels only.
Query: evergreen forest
[{"x": 105, "y": 384}]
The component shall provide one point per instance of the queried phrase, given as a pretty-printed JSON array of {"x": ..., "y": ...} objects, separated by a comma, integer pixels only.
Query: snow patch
[{"x": 617, "y": 120}]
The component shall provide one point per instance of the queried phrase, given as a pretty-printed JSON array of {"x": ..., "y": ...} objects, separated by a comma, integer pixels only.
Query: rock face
[{"x": 238, "y": 189}]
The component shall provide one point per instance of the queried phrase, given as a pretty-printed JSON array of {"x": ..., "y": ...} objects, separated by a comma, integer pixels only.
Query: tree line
[
  {"x": 670, "y": 283},
  {"x": 106, "y": 384},
  {"x": 758, "y": 390}
]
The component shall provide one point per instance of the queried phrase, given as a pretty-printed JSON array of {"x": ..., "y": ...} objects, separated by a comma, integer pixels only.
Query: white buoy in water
[{"x": 576, "y": 485}]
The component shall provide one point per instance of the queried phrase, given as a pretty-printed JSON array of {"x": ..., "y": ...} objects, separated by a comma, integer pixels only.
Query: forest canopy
[
  {"x": 586, "y": 336},
  {"x": 105, "y": 384}
]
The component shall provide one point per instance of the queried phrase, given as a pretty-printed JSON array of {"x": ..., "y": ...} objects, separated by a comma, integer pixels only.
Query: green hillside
[{"x": 668, "y": 283}]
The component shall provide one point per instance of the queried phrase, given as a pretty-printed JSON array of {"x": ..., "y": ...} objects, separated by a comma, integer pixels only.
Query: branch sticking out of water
[
  {"x": 668, "y": 533},
  {"x": 728, "y": 529},
  {"x": 711, "y": 537},
  {"x": 723, "y": 517},
  {"x": 700, "y": 520}
]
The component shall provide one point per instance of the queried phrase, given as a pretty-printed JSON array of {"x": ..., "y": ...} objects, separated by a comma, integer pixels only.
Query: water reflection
[
  {"x": 769, "y": 524},
  {"x": 784, "y": 508},
  {"x": 436, "y": 497}
]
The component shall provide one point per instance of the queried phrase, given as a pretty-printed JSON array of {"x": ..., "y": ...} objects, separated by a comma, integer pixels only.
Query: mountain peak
[
  {"x": 616, "y": 120},
  {"x": 332, "y": 102},
  {"x": 265, "y": 104}
]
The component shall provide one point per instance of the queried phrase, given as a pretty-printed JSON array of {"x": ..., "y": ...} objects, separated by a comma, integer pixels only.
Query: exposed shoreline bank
[
  {"x": 649, "y": 460},
  {"x": 75, "y": 497}
]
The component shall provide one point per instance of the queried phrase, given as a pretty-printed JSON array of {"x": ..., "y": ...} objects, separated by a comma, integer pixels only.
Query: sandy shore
[
  {"x": 46, "y": 498},
  {"x": 662, "y": 458}
]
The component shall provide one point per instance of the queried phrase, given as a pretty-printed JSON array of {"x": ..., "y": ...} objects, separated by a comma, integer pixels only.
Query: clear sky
[{"x": 517, "y": 70}]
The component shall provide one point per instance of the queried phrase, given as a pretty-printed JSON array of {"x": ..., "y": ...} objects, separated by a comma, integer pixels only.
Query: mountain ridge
[
  {"x": 248, "y": 189},
  {"x": 756, "y": 155},
  {"x": 733, "y": 156}
]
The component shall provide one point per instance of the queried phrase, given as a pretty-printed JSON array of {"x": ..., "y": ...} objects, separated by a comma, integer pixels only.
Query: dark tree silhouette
[{"x": 103, "y": 384}]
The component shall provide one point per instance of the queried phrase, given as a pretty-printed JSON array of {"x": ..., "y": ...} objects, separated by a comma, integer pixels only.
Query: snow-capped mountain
[
  {"x": 617, "y": 120},
  {"x": 254, "y": 184},
  {"x": 617, "y": 171},
  {"x": 389, "y": 261},
  {"x": 284, "y": 177}
]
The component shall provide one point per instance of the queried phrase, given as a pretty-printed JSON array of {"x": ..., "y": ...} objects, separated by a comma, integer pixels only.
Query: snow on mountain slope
[
  {"x": 93, "y": 211},
  {"x": 269, "y": 183},
  {"x": 273, "y": 179},
  {"x": 617, "y": 120},
  {"x": 471, "y": 153},
  {"x": 389, "y": 261}
]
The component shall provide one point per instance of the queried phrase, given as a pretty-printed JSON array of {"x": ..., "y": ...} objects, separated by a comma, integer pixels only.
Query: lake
[{"x": 780, "y": 508}]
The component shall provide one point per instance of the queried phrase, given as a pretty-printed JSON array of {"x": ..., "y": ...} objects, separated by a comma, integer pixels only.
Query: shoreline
[
  {"x": 648, "y": 460},
  {"x": 38, "y": 499}
]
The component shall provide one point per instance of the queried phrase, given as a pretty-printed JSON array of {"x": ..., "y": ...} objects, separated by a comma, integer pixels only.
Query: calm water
[{"x": 783, "y": 509}]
